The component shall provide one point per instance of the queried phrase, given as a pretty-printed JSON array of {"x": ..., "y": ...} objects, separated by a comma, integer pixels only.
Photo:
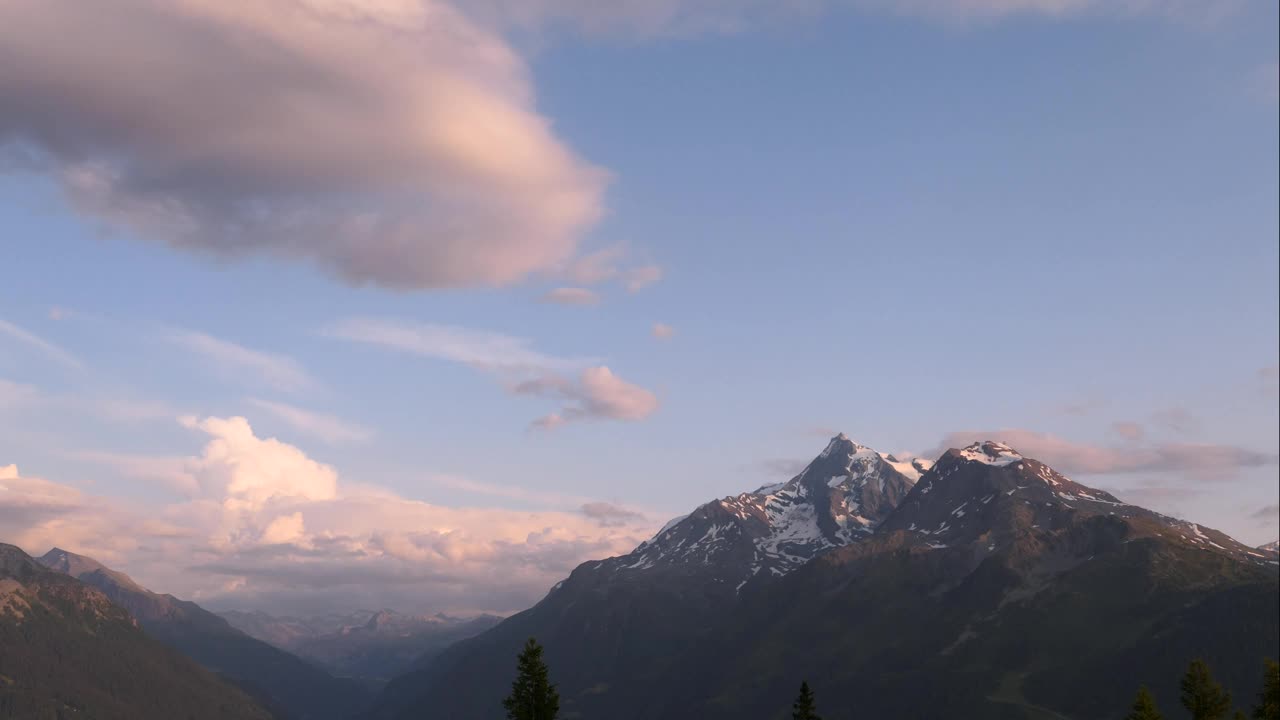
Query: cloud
[
  {"x": 687, "y": 17},
  {"x": 169, "y": 472},
  {"x": 284, "y": 529},
  {"x": 329, "y": 428},
  {"x": 590, "y": 391},
  {"x": 642, "y": 277},
  {"x": 1205, "y": 461},
  {"x": 248, "y": 472},
  {"x": 393, "y": 142},
  {"x": 571, "y": 296},
  {"x": 1165, "y": 499},
  {"x": 1128, "y": 430},
  {"x": 1266, "y": 82},
  {"x": 1081, "y": 407},
  {"x": 53, "y": 352},
  {"x": 597, "y": 394},
  {"x": 270, "y": 527},
  {"x": 1177, "y": 419},
  {"x": 662, "y": 331},
  {"x": 115, "y": 406},
  {"x": 478, "y": 348},
  {"x": 785, "y": 468},
  {"x": 609, "y": 515},
  {"x": 510, "y": 492},
  {"x": 1269, "y": 379},
  {"x": 15, "y": 396},
  {"x": 613, "y": 263},
  {"x": 235, "y": 361},
  {"x": 1266, "y": 515}
]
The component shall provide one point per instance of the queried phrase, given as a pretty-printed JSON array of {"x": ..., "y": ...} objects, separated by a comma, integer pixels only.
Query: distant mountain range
[
  {"x": 987, "y": 584},
  {"x": 68, "y": 651},
  {"x": 373, "y": 646},
  {"x": 290, "y": 687}
]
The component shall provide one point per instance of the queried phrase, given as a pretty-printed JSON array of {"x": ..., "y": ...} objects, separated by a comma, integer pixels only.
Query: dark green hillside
[
  {"x": 67, "y": 652},
  {"x": 284, "y": 682}
]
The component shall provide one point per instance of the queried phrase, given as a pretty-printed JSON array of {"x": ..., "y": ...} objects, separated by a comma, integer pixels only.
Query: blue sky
[{"x": 1052, "y": 222}]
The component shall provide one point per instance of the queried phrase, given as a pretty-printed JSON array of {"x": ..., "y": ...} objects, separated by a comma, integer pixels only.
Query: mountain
[
  {"x": 280, "y": 631},
  {"x": 997, "y": 588},
  {"x": 614, "y": 624},
  {"x": 289, "y": 686},
  {"x": 1272, "y": 548},
  {"x": 994, "y": 587},
  {"x": 371, "y": 646},
  {"x": 67, "y": 651}
]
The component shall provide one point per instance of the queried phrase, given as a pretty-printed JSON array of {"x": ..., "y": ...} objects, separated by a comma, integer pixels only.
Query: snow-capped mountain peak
[
  {"x": 841, "y": 496},
  {"x": 990, "y": 452}
]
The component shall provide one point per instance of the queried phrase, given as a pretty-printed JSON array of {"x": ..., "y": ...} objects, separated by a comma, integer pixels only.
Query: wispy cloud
[
  {"x": 1266, "y": 82},
  {"x": 642, "y": 277},
  {"x": 591, "y": 391},
  {"x": 17, "y": 395},
  {"x": 329, "y": 428},
  {"x": 613, "y": 263},
  {"x": 663, "y": 331},
  {"x": 571, "y": 296},
  {"x": 478, "y": 348},
  {"x": 1201, "y": 460},
  {"x": 168, "y": 471},
  {"x": 32, "y": 340},
  {"x": 509, "y": 492},
  {"x": 610, "y": 515},
  {"x": 692, "y": 17},
  {"x": 234, "y": 361},
  {"x": 1177, "y": 419},
  {"x": 1267, "y": 514},
  {"x": 1128, "y": 430}
]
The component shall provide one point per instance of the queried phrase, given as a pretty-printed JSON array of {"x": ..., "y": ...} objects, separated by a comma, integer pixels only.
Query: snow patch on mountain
[{"x": 990, "y": 453}]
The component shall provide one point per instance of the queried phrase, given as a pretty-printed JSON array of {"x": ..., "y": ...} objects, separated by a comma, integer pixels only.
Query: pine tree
[
  {"x": 1268, "y": 707},
  {"x": 803, "y": 708},
  {"x": 1144, "y": 707},
  {"x": 1202, "y": 696},
  {"x": 532, "y": 697}
]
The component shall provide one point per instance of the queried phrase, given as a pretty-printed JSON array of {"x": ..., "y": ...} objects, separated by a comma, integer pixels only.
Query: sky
[{"x": 310, "y": 306}]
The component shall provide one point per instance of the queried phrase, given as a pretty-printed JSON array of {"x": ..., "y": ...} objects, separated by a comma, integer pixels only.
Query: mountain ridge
[
  {"x": 288, "y": 685},
  {"x": 1001, "y": 535},
  {"x": 66, "y": 650}
]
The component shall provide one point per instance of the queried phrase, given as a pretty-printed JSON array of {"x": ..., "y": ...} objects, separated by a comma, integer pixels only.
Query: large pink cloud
[{"x": 391, "y": 142}]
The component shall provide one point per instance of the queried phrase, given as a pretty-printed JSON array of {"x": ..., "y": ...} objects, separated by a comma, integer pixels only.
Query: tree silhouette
[
  {"x": 1202, "y": 696},
  {"x": 1144, "y": 707},
  {"x": 803, "y": 708},
  {"x": 1268, "y": 707},
  {"x": 532, "y": 697}
]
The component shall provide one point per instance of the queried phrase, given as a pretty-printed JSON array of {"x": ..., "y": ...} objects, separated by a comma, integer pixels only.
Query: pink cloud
[
  {"x": 571, "y": 296},
  {"x": 596, "y": 394},
  {"x": 1207, "y": 461},
  {"x": 270, "y": 524},
  {"x": 394, "y": 143}
]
